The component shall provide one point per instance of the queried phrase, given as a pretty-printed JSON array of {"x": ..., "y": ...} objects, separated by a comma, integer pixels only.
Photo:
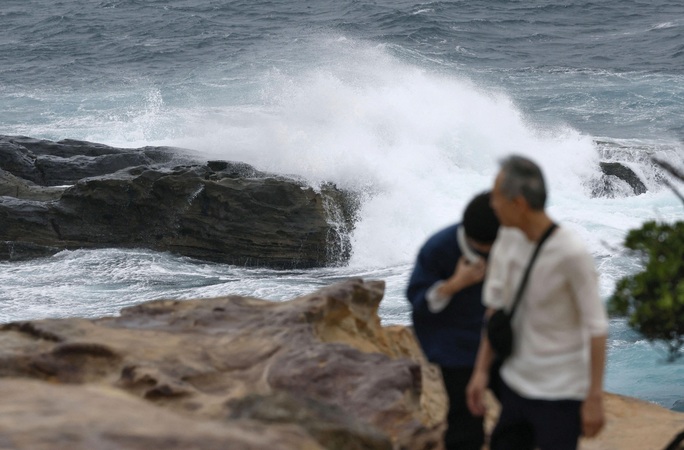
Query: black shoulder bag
[{"x": 499, "y": 329}]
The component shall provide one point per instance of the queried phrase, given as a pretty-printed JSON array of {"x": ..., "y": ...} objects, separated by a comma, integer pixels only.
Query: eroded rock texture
[{"x": 318, "y": 371}]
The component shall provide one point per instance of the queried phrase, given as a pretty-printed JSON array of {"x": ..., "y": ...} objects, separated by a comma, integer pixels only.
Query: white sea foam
[
  {"x": 416, "y": 146},
  {"x": 413, "y": 144},
  {"x": 664, "y": 25}
]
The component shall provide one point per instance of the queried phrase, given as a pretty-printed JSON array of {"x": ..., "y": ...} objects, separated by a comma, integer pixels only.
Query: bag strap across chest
[{"x": 523, "y": 282}]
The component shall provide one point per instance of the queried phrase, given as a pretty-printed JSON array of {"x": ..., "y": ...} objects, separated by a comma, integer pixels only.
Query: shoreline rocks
[
  {"x": 315, "y": 372},
  {"x": 318, "y": 371},
  {"x": 617, "y": 178},
  {"x": 73, "y": 194}
]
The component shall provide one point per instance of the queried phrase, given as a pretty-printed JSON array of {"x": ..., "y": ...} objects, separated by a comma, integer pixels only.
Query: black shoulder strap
[{"x": 521, "y": 288}]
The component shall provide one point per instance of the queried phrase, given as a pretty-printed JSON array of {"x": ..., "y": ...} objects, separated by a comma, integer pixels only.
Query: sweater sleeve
[
  {"x": 495, "y": 280},
  {"x": 423, "y": 277},
  {"x": 436, "y": 261},
  {"x": 583, "y": 279}
]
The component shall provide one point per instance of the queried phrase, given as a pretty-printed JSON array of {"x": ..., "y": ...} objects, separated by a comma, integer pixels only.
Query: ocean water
[{"x": 408, "y": 104}]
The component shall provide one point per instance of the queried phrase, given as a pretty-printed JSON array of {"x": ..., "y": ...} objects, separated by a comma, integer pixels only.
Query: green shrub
[{"x": 653, "y": 299}]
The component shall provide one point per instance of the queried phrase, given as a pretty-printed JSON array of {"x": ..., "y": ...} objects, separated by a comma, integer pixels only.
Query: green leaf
[{"x": 653, "y": 299}]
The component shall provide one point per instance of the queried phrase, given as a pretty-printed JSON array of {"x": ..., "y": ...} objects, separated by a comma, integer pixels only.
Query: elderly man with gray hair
[{"x": 552, "y": 383}]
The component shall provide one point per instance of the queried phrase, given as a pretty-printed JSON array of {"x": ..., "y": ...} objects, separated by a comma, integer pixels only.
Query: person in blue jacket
[{"x": 445, "y": 291}]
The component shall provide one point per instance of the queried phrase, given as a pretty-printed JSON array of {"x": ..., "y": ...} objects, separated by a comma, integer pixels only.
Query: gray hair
[{"x": 521, "y": 176}]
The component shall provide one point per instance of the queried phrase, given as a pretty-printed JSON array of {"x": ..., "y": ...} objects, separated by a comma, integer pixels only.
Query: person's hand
[
  {"x": 593, "y": 418},
  {"x": 475, "y": 393},
  {"x": 468, "y": 273}
]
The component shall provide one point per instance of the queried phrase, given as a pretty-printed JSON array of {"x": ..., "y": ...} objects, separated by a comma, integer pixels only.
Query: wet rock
[
  {"x": 13, "y": 186},
  {"x": 616, "y": 170},
  {"x": 678, "y": 406},
  {"x": 616, "y": 180},
  {"x": 220, "y": 211},
  {"x": 49, "y": 163}
]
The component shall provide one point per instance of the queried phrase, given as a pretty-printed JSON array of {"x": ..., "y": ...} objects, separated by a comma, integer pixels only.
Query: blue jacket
[{"x": 451, "y": 337}]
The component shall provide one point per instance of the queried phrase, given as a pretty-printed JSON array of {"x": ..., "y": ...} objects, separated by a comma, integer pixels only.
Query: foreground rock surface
[
  {"x": 315, "y": 372},
  {"x": 38, "y": 415},
  {"x": 73, "y": 194},
  {"x": 633, "y": 424}
]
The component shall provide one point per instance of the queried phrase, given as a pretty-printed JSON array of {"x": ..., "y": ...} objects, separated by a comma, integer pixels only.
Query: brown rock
[
  {"x": 237, "y": 358},
  {"x": 633, "y": 424},
  {"x": 45, "y": 416}
]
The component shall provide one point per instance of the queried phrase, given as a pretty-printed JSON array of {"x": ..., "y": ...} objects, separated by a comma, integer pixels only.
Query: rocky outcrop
[
  {"x": 615, "y": 172},
  {"x": 72, "y": 194},
  {"x": 45, "y": 416},
  {"x": 49, "y": 163},
  {"x": 315, "y": 372},
  {"x": 16, "y": 187},
  {"x": 633, "y": 168}
]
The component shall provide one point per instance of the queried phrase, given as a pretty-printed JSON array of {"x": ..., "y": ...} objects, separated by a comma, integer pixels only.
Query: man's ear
[{"x": 521, "y": 203}]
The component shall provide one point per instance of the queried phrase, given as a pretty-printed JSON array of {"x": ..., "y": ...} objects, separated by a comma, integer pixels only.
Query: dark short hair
[
  {"x": 522, "y": 177},
  {"x": 479, "y": 221}
]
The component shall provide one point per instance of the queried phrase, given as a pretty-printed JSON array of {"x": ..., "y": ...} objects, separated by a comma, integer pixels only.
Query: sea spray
[{"x": 415, "y": 145}]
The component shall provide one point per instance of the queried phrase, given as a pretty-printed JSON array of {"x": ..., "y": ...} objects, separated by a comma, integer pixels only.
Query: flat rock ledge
[
  {"x": 75, "y": 194},
  {"x": 315, "y": 372}
]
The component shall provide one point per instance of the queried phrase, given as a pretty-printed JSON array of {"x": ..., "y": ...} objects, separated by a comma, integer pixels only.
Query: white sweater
[{"x": 559, "y": 311}]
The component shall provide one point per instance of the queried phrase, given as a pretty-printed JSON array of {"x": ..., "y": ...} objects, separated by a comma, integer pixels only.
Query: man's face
[
  {"x": 480, "y": 248},
  {"x": 506, "y": 209}
]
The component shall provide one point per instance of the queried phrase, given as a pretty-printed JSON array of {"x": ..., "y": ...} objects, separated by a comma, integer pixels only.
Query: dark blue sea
[{"x": 408, "y": 104}]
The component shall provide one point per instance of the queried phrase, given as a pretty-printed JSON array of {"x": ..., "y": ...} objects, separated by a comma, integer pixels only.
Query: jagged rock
[
  {"x": 16, "y": 187},
  {"x": 220, "y": 211},
  {"x": 318, "y": 371},
  {"x": 616, "y": 174},
  {"x": 49, "y": 163},
  {"x": 18, "y": 250}
]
